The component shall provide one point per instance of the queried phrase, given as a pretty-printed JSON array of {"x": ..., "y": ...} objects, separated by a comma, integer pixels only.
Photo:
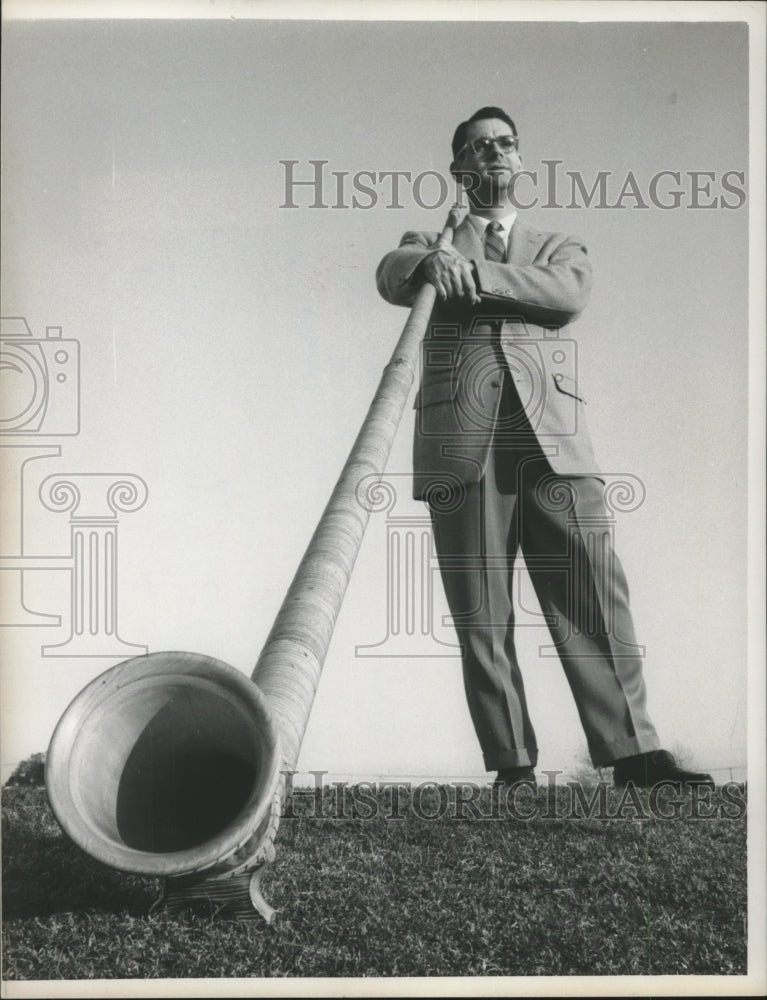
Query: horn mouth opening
[{"x": 164, "y": 765}]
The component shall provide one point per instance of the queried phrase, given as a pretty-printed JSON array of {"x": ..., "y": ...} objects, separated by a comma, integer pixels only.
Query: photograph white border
[{"x": 754, "y": 983}]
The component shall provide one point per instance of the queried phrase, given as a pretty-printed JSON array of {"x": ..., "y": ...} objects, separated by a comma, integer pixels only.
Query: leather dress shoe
[
  {"x": 648, "y": 769},
  {"x": 509, "y": 777}
]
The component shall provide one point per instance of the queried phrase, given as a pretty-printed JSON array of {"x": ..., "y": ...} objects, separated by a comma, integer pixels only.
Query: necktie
[{"x": 495, "y": 245}]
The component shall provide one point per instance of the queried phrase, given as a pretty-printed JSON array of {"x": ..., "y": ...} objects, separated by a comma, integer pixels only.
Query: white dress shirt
[{"x": 481, "y": 223}]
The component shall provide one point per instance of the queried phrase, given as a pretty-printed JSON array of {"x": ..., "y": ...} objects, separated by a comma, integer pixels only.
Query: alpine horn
[{"x": 169, "y": 765}]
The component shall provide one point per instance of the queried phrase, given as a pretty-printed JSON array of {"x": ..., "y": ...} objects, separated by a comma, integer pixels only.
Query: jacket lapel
[
  {"x": 467, "y": 242},
  {"x": 524, "y": 243}
]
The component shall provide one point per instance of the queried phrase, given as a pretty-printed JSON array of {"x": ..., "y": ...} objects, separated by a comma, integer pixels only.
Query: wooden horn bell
[{"x": 170, "y": 764}]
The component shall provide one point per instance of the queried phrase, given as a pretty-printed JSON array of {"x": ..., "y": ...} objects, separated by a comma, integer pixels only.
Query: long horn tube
[
  {"x": 170, "y": 764},
  {"x": 289, "y": 667}
]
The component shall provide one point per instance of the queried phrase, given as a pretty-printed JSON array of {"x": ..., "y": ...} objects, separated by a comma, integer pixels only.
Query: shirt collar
[{"x": 480, "y": 222}]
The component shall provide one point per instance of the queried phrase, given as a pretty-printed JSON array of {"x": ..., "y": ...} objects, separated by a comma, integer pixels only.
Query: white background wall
[{"x": 230, "y": 347}]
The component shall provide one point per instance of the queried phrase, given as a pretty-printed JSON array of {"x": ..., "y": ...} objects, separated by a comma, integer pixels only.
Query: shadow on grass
[{"x": 44, "y": 874}]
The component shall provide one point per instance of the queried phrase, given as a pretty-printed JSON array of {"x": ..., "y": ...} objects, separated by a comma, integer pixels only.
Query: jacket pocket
[
  {"x": 568, "y": 386},
  {"x": 441, "y": 391}
]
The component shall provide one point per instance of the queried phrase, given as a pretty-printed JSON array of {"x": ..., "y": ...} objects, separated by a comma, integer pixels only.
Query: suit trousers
[{"x": 561, "y": 526}]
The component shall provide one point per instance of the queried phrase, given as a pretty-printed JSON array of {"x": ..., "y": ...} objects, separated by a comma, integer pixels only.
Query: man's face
[{"x": 487, "y": 174}]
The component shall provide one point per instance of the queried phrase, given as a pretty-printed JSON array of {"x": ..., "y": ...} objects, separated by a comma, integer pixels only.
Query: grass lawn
[{"x": 549, "y": 894}]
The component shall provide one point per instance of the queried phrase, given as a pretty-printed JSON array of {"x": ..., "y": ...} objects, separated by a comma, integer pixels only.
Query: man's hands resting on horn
[{"x": 451, "y": 273}]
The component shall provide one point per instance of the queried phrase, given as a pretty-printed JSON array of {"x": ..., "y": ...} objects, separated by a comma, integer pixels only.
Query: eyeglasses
[{"x": 506, "y": 144}]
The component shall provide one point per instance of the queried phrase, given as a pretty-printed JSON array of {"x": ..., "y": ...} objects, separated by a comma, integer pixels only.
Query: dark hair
[{"x": 459, "y": 139}]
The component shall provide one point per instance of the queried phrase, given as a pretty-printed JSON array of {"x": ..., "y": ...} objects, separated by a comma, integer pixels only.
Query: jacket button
[
  {"x": 558, "y": 377},
  {"x": 495, "y": 384}
]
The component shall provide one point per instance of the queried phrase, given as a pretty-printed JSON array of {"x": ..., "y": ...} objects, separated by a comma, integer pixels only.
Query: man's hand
[{"x": 451, "y": 274}]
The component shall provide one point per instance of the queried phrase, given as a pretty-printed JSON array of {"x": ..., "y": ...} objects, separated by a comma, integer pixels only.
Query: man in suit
[{"x": 504, "y": 460}]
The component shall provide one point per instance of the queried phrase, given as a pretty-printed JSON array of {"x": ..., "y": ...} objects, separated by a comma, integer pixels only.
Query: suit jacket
[{"x": 519, "y": 331}]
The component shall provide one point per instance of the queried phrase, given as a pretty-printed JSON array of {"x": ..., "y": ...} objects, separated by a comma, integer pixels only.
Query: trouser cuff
[
  {"x": 606, "y": 754},
  {"x": 495, "y": 760}
]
